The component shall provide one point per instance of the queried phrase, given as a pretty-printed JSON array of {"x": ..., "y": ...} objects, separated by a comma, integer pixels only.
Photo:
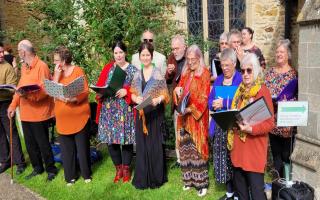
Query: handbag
[{"x": 298, "y": 191}]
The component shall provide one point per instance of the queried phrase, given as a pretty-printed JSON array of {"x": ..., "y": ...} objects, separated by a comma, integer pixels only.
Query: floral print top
[
  {"x": 116, "y": 123},
  {"x": 276, "y": 82}
]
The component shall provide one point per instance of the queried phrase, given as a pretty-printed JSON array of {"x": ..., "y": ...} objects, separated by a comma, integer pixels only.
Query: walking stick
[{"x": 11, "y": 150}]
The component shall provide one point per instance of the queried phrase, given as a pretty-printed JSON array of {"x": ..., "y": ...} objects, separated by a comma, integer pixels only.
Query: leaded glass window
[
  {"x": 237, "y": 14},
  {"x": 215, "y": 23},
  {"x": 195, "y": 17}
]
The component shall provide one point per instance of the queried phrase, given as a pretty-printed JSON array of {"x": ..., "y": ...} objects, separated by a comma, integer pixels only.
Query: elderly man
[
  {"x": 176, "y": 62},
  {"x": 158, "y": 59},
  {"x": 8, "y": 76},
  {"x": 36, "y": 108},
  {"x": 235, "y": 40}
]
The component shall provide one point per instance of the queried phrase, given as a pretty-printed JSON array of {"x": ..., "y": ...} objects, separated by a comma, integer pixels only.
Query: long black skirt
[{"x": 150, "y": 169}]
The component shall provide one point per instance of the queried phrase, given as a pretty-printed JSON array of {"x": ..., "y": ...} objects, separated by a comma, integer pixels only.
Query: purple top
[{"x": 237, "y": 79}]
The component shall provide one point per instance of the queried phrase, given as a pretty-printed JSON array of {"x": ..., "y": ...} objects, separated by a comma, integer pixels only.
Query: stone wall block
[
  {"x": 313, "y": 51},
  {"x": 303, "y": 55},
  {"x": 312, "y": 128},
  {"x": 314, "y": 81}
]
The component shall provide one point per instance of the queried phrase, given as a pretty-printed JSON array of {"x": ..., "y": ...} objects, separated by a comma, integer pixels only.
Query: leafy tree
[{"x": 90, "y": 27}]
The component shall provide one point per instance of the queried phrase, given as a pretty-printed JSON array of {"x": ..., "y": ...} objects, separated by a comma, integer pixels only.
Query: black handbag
[{"x": 298, "y": 191}]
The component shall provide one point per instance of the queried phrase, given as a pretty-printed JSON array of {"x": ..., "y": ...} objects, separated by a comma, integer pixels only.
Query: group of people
[{"x": 239, "y": 154}]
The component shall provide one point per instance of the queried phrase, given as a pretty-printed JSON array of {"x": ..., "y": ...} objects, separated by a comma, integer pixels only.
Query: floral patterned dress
[
  {"x": 116, "y": 122},
  {"x": 276, "y": 82}
]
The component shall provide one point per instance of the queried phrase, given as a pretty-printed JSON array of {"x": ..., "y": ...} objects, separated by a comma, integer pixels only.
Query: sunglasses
[
  {"x": 248, "y": 70},
  {"x": 148, "y": 40}
]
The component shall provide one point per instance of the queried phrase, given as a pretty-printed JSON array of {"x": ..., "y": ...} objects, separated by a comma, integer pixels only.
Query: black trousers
[
  {"x": 119, "y": 157},
  {"x": 248, "y": 182},
  {"x": 18, "y": 157},
  {"x": 39, "y": 149},
  {"x": 281, "y": 149},
  {"x": 72, "y": 147}
]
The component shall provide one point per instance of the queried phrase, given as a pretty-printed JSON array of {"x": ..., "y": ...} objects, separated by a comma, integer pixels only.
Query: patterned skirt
[
  {"x": 221, "y": 157},
  {"x": 194, "y": 168}
]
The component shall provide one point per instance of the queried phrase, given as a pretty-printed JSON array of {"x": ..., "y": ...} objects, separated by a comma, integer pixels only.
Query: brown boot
[
  {"x": 119, "y": 174},
  {"x": 126, "y": 173}
]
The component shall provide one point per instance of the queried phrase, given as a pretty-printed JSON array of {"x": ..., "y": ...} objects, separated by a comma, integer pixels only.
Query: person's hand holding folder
[
  {"x": 244, "y": 127},
  {"x": 178, "y": 91},
  {"x": 121, "y": 93},
  {"x": 217, "y": 104}
]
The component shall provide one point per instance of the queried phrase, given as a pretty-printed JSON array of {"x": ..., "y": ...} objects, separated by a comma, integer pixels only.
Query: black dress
[{"x": 150, "y": 169}]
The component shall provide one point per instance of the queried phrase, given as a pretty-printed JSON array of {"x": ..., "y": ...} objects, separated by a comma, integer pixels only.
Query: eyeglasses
[
  {"x": 223, "y": 43},
  {"x": 148, "y": 40},
  {"x": 248, "y": 70}
]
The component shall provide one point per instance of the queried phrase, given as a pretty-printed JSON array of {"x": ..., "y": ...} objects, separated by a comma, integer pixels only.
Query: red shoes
[
  {"x": 126, "y": 173},
  {"x": 119, "y": 174},
  {"x": 122, "y": 171}
]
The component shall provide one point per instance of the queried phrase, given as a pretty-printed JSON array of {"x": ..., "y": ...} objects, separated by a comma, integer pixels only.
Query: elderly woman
[
  {"x": 115, "y": 115},
  {"x": 249, "y": 47},
  {"x": 73, "y": 135},
  {"x": 221, "y": 154},
  {"x": 235, "y": 40},
  {"x": 192, "y": 125},
  {"x": 248, "y": 144},
  {"x": 150, "y": 170},
  {"x": 276, "y": 79},
  {"x": 215, "y": 69}
]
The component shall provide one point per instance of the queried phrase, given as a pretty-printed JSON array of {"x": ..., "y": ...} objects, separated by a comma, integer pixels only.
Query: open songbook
[
  {"x": 7, "y": 87},
  {"x": 58, "y": 90},
  {"x": 181, "y": 108},
  {"x": 116, "y": 83},
  {"x": 146, "y": 102},
  {"x": 215, "y": 67},
  {"x": 28, "y": 89},
  {"x": 254, "y": 113}
]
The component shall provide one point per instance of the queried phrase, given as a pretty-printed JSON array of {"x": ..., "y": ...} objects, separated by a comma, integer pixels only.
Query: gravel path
[{"x": 15, "y": 191}]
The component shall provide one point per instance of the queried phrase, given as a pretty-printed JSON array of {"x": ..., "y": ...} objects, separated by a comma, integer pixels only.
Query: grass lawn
[{"x": 102, "y": 186}]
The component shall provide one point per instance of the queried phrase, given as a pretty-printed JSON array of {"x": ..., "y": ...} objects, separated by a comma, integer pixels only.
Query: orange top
[
  {"x": 36, "y": 106},
  {"x": 251, "y": 155},
  {"x": 72, "y": 117}
]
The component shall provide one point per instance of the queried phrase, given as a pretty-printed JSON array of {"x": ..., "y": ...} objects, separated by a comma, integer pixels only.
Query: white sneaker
[
  {"x": 185, "y": 188},
  {"x": 87, "y": 180},
  {"x": 202, "y": 192},
  {"x": 71, "y": 182}
]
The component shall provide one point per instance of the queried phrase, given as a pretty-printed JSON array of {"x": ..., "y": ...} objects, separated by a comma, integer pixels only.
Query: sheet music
[
  {"x": 59, "y": 90},
  {"x": 146, "y": 102},
  {"x": 256, "y": 112},
  {"x": 213, "y": 69}
]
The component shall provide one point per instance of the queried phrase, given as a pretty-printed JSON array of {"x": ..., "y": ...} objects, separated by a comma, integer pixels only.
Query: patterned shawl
[
  {"x": 240, "y": 100},
  {"x": 155, "y": 87}
]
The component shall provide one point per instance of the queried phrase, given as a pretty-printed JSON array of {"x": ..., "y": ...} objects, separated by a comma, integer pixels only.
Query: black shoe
[
  {"x": 33, "y": 173},
  {"x": 51, "y": 176},
  {"x": 175, "y": 165},
  {"x": 3, "y": 168},
  {"x": 20, "y": 170},
  {"x": 226, "y": 198}
]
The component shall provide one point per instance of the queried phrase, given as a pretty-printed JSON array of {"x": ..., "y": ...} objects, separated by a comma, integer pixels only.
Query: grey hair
[
  {"x": 27, "y": 48},
  {"x": 223, "y": 36},
  {"x": 145, "y": 31},
  {"x": 252, "y": 59},
  {"x": 179, "y": 38},
  {"x": 287, "y": 45},
  {"x": 234, "y": 32},
  {"x": 228, "y": 53}
]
